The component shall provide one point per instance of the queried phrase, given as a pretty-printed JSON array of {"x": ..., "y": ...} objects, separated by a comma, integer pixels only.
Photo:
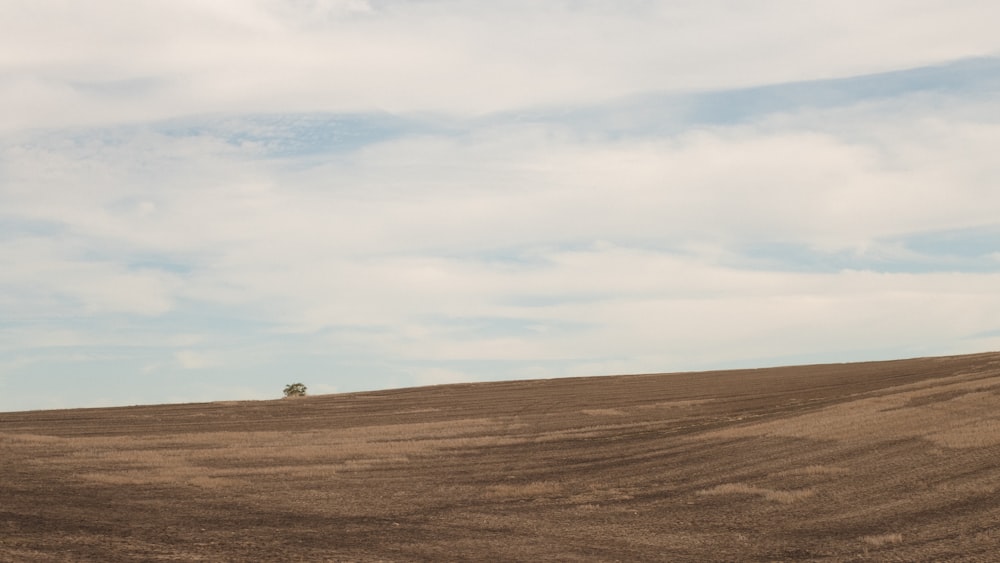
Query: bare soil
[{"x": 882, "y": 461}]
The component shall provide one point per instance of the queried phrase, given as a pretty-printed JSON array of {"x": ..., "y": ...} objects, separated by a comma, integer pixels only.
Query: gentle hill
[{"x": 891, "y": 460}]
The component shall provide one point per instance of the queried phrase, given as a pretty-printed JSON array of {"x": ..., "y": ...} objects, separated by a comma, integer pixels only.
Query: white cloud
[
  {"x": 618, "y": 305},
  {"x": 46, "y": 277},
  {"x": 132, "y": 60},
  {"x": 531, "y": 238},
  {"x": 407, "y": 228},
  {"x": 191, "y": 359}
]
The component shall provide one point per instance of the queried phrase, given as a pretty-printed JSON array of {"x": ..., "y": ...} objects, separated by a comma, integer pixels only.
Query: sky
[{"x": 208, "y": 200}]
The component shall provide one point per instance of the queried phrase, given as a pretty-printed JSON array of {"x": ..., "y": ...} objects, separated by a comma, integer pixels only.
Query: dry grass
[
  {"x": 784, "y": 497},
  {"x": 883, "y": 539},
  {"x": 196, "y": 459},
  {"x": 963, "y": 418},
  {"x": 764, "y": 465},
  {"x": 524, "y": 491},
  {"x": 603, "y": 412},
  {"x": 598, "y": 494},
  {"x": 590, "y": 431},
  {"x": 687, "y": 404},
  {"x": 976, "y": 434},
  {"x": 813, "y": 470},
  {"x": 161, "y": 477},
  {"x": 38, "y": 439}
]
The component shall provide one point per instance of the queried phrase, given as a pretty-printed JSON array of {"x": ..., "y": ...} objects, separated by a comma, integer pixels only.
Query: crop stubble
[{"x": 881, "y": 460}]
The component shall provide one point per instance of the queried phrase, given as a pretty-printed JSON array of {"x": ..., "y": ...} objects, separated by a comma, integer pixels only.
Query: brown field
[{"x": 882, "y": 461}]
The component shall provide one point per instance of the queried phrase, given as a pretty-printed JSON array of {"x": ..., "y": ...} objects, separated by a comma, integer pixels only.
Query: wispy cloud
[
  {"x": 191, "y": 359},
  {"x": 357, "y": 195},
  {"x": 128, "y": 60}
]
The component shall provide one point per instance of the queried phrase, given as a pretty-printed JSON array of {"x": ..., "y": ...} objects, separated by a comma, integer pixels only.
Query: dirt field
[{"x": 886, "y": 461}]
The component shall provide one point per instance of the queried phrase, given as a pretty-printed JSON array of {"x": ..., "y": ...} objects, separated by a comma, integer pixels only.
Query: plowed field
[{"x": 885, "y": 461}]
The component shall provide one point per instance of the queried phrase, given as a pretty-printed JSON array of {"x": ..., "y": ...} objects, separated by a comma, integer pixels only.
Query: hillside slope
[{"x": 883, "y": 461}]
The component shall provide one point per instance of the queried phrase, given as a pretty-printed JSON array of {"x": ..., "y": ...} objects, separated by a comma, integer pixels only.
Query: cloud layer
[
  {"x": 128, "y": 60},
  {"x": 369, "y": 194}
]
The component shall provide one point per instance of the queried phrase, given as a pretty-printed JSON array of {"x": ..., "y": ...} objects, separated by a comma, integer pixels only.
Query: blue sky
[{"x": 209, "y": 200}]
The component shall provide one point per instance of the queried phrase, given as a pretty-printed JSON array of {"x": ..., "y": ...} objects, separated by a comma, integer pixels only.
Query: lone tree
[{"x": 295, "y": 390}]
